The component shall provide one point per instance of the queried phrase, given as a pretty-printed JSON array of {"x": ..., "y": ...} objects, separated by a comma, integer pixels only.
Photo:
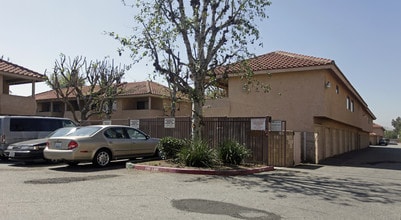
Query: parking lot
[{"x": 364, "y": 185}]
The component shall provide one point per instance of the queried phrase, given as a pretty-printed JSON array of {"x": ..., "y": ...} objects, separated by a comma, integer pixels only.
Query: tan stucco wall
[
  {"x": 379, "y": 131},
  {"x": 303, "y": 100},
  {"x": 336, "y": 108},
  {"x": 17, "y": 105},
  {"x": 293, "y": 97},
  {"x": 296, "y": 97}
]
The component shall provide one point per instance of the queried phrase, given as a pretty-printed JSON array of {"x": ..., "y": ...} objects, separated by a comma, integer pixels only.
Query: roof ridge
[
  {"x": 302, "y": 56},
  {"x": 141, "y": 88}
]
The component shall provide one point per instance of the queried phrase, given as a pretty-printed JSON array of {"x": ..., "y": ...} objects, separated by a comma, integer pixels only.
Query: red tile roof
[
  {"x": 377, "y": 126},
  {"x": 8, "y": 67},
  {"x": 146, "y": 87},
  {"x": 279, "y": 60},
  {"x": 130, "y": 89}
]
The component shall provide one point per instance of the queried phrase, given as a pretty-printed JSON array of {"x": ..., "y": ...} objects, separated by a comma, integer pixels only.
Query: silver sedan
[{"x": 100, "y": 144}]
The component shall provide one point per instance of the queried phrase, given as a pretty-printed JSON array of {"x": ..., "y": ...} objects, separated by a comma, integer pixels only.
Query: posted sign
[
  {"x": 258, "y": 124},
  {"x": 134, "y": 123},
  {"x": 276, "y": 125},
  {"x": 169, "y": 123},
  {"x": 108, "y": 122}
]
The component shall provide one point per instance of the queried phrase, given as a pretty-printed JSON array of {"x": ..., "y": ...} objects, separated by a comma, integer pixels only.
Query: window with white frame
[{"x": 352, "y": 106}]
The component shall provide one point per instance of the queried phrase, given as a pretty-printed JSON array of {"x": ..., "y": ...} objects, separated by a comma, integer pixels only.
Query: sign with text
[
  {"x": 134, "y": 123},
  {"x": 276, "y": 125},
  {"x": 258, "y": 124},
  {"x": 169, "y": 123},
  {"x": 108, "y": 122}
]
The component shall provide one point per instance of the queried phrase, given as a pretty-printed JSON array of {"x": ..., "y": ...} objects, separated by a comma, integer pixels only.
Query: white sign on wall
[
  {"x": 276, "y": 125},
  {"x": 108, "y": 122},
  {"x": 134, "y": 123},
  {"x": 169, "y": 123},
  {"x": 258, "y": 124}
]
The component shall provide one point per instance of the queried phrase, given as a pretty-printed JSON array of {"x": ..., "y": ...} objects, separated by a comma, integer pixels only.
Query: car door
[
  {"x": 140, "y": 142},
  {"x": 119, "y": 141}
]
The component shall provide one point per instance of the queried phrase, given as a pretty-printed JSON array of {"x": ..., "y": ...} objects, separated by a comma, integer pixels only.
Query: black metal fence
[{"x": 219, "y": 129}]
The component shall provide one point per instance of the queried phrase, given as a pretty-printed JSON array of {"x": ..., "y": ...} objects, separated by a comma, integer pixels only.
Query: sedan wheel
[{"x": 102, "y": 158}]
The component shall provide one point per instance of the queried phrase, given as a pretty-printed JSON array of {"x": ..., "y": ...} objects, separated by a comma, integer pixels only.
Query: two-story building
[
  {"x": 138, "y": 100},
  {"x": 12, "y": 74},
  {"x": 310, "y": 94}
]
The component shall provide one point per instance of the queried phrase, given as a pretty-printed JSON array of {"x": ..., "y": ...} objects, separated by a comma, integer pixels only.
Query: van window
[
  {"x": 36, "y": 124},
  {"x": 68, "y": 123}
]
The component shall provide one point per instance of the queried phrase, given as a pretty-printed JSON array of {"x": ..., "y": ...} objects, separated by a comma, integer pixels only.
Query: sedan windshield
[{"x": 85, "y": 131}]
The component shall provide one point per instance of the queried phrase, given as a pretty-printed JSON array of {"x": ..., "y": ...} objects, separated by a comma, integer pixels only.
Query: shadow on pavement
[
  {"x": 308, "y": 166},
  {"x": 344, "y": 191},
  {"x": 222, "y": 208},
  {"x": 378, "y": 157},
  {"x": 89, "y": 167}
]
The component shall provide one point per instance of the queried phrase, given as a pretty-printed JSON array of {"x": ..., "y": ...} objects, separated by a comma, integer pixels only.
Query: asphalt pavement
[{"x": 357, "y": 185}]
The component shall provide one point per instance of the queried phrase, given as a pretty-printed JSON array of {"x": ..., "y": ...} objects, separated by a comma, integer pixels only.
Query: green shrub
[
  {"x": 198, "y": 154},
  {"x": 169, "y": 147},
  {"x": 231, "y": 152}
]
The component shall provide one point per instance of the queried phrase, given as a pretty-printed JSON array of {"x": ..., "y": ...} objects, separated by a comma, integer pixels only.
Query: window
[
  {"x": 141, "y": 105},
  {"x": 57, "y": 107},
  {"x": 85, "y": 131},
  {"x": 75, "y": 106},
  {"x": 38, "y": 124},
  {"x": 352, "y": 106},
  {"x": 337, "y": 90},
  {"x": 44, "y": 107},
  {"x": 135, "y": 134}
]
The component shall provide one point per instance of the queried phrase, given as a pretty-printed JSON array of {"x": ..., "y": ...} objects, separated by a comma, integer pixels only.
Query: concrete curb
[{"x": 198, "y": 171}]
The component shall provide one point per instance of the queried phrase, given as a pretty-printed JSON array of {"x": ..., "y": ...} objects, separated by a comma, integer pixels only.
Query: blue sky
[{"x": 363, "y": 37}]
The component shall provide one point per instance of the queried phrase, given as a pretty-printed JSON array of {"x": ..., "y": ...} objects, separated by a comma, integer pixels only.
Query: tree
[
  {"x": 396, "y": 123},
  {"x": 188, "y": 40},
  {"x": 390, "y": 134},
  {"x": 64, "y": 82},
  {"x": 104, "y": 84}
]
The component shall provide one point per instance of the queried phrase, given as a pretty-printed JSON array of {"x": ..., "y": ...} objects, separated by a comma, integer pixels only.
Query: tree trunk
[
  {"x": 197, "y": 121},
  {"x": 198, "y": 100}
]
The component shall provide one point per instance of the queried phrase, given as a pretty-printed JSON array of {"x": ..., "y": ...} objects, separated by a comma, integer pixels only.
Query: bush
[
  {"x": 198, "y": 154},
  {"x": 169, "y": 147},
  {"x": 231, "y": 152}
]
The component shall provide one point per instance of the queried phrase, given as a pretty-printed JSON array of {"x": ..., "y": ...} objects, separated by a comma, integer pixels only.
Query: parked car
[
  {"x": 15, "y": 129},
  {"x": 33, "y": 149},
  {"x": 384, "y": 141},
  {"x": 100, "y": 144}
]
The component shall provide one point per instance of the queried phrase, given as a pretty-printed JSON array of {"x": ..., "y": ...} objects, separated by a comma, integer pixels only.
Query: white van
[{"x": 21, "y": 128}]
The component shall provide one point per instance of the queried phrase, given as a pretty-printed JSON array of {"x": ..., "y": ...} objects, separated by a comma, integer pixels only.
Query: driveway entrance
[{"x": 380, "y": 157}]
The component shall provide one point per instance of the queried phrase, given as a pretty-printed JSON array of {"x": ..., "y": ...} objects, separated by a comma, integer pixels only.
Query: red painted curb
[{"x": 200, "y": 171}]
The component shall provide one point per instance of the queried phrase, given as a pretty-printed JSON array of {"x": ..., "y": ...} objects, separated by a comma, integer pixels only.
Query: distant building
[
  {"x": 139, "y": 100},
  {"x": 12, "y": 74},
  {"x": 311, "y": 94},
  {"x": 376, "y": 134}
]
